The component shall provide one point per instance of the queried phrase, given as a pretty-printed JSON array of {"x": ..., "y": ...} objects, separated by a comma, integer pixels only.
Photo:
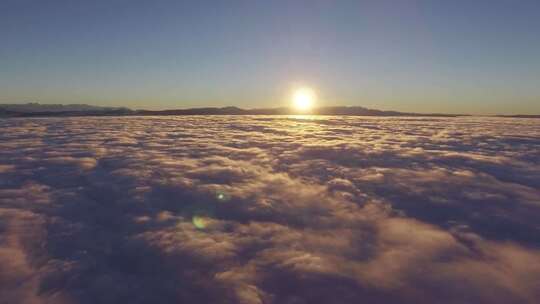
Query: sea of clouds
[{"x": 260, "y": 209}]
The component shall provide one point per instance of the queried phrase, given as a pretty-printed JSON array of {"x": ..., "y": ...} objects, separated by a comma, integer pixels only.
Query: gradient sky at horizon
[{"x": 479, "y": 57}]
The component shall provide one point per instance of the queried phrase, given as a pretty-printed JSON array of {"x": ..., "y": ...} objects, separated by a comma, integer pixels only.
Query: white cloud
[{"x": 269, "y": 210}]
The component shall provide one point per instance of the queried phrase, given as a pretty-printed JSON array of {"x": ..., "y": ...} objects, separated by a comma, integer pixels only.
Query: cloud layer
[{"x": 269, "y": 210}]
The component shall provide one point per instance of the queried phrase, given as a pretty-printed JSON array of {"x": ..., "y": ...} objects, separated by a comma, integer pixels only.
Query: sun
[{"x": 303, "y": 99}]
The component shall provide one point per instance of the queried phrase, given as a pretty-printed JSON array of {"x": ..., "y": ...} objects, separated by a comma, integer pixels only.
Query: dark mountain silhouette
[
  {"x": 37, "y": 110},
  {"x": 354, "y": 111},
  {"x": 519, "y": 116},
  {"x": 56, "y": 108}
]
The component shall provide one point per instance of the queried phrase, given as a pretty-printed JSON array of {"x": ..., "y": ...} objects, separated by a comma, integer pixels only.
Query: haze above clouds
[{"x": 269, "y": 210}]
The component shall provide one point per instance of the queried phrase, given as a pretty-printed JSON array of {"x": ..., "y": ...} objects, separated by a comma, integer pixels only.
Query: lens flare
[
  {"x": 199, "y": 222},
  {"x": 222, "y": 196}
]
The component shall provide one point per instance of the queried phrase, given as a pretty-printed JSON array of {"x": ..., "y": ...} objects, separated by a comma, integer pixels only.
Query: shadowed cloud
[{"x": 244, "y": 209}]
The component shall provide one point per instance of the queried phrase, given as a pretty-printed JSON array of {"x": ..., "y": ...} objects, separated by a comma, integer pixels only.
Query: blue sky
[{"x": 423, "y": 56}]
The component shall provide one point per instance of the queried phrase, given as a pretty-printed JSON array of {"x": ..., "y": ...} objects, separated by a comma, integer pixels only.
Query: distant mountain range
[
  {"x": 519, "y": 116},
  {"x": 37, "y": 107},
  {"x": 352, "y": 111},
  {"x": 37, "y": 110}
]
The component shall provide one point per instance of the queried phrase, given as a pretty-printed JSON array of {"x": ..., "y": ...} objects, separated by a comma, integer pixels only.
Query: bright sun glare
[{"x": 303, "y": 99}]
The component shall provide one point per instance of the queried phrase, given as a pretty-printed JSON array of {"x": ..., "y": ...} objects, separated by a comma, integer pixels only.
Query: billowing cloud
[{"x": 269, "y": 210}]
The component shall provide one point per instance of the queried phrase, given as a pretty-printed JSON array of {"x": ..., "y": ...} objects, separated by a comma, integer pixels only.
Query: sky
[{"x": 477, "y": 57}]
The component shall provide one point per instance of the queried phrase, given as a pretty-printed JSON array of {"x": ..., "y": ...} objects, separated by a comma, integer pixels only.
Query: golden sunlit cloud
[{"x": 303, "y": 99}]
